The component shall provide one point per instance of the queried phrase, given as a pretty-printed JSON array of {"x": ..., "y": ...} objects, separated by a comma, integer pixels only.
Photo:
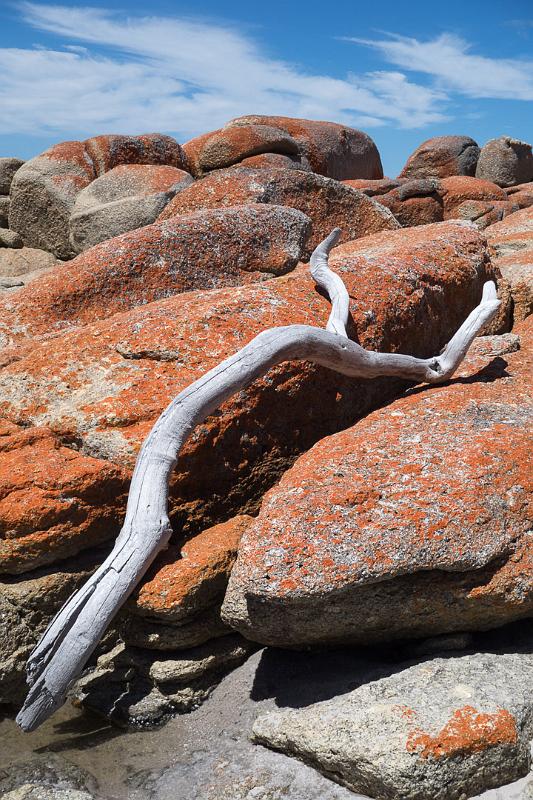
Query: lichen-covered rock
[
  {"x": 110, "y": 150},
  {"x": 373, "y": 187},
  {"x": 330, "y": 149},
  {"x": 44, "y": 189},
  {"x": 127, "y": 197},
  {"x": 27, "y": 604},
  {"x": 43, "y": 192},
  {"x": 444, "y": 729},
  {"x": 413, "y": 522},
  {"x": 138, "y": 688},
  {"x": 190, "y": 579},
  {"x": 483, "y": 213},
  {"x": 103, "y": 386},
  {"x": 202, "y": 250},
  {"x": 8, "y": 167},
  {"x": 275, "y": 161},
  {"x": 231, "y": 144},
  {"x": 511, "y": 244},
  {"x": 505, "y": 161},
  {"x": 521, "y": 195},
  {"x": 54, "y": 501},
  {"x": 457, "y": 189},
  {"x": 326, "y": 202},
  {"x": 442, "y": 156},
  {"x": 415, "y": 202}
]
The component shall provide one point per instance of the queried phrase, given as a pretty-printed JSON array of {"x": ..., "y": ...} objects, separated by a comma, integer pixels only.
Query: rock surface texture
[
  {"x": 442, "y": 730},
  {"x": 441, "y": 157},
  {"x": 505, "y": 161},
  {"x": 44, "y": 189},
  {"x": 127, "y": 197},
  {"x": 328, "y": 203},
  {"x": 414, "y": 522},
  {"x": 511, "y": 243},
  {"x": 329, "y": 149},
  {"x": 206, "y": 249}
]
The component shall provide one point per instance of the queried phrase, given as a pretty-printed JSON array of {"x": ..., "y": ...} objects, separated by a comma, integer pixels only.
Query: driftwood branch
[{"x": 63, "y": 651}]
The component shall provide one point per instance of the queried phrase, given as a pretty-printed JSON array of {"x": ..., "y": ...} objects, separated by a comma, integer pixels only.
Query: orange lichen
[{"x": 467, "y": 731}]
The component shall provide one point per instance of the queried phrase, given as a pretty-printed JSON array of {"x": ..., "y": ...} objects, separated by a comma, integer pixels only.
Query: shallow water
[{"x": 204, "y": 755}]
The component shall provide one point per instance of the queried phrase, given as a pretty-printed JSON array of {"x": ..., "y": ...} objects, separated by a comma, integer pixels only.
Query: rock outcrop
[
  {"x": 329, "y": 149},
  {"x": 202, "y": 250},
  {"x": 441, "y": 157},
  {"x": 442, "y": 730},
  {"x": 127, "y": 197},
  {"x": 413, "y": 522},
  {"x": 511, "y": 242},
  {"x": 103, "y": 385},
  {"x": 505, "y": 161},
  {"x": 44, "y": 189},
  {"x": 328, "y": 203}
]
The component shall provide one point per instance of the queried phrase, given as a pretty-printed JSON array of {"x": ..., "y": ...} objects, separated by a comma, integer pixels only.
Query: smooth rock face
[
  {"x": 8, "y": 167},
  {"x": 54, "y": 501},
  {"x": 138, "y": 688},
  {"x": 27, "y": 604},
  {"x": 127, "y": 197},
  {"x": 326, "y": 202},
  {"x": 442, "y": 730},
  {"x": 184, "y": 582},
  {"x": 103, "y": 386},
  {"x": 202, "y": 250},
  {"x": 411, "y": 523},
  {"x": 505, "y": 161},
  {"x": 442, "y": 156},
  {"x": 511, "y": 243}
]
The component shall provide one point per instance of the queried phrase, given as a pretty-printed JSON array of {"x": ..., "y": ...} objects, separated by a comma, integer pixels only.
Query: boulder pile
[{"x": 311, "y": 510}]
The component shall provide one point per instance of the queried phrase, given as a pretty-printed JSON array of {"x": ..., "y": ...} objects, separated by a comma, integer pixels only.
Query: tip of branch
[
  {"x": 489, "y": 292},
  {"x": 320, "y": 253}
]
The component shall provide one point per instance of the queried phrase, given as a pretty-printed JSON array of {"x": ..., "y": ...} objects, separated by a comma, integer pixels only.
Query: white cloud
[
  {"x": 448, "y": 59},
  {"x": 182, "y": 76}
]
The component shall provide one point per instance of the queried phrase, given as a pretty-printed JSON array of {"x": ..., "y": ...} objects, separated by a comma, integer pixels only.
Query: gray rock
[
  {"x": 37, "y": 792},
  {"x": 505, "y": 161},
  {"x": 442, "y": 156},
  {"x": 154, "y": 635},
  {"x": 441, "y": 730},
  {"x": 127, "y": 197},
  {"x": 8, "y": 167},
  {"x": 4, "y": 211},
  {"x": 10, "y": 238},
  {"x": 24, "y": 261},
  {"x": 27, "y": 605},
  {"x": 45, "y": 777},
  {"x": 138, "y": 688}
]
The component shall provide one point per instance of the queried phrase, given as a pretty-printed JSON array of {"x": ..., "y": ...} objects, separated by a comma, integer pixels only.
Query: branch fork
[{"x": 69, "y": 641}]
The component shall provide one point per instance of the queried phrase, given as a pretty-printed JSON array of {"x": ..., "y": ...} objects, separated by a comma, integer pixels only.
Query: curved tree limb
[{"x": 72, "y": 636}]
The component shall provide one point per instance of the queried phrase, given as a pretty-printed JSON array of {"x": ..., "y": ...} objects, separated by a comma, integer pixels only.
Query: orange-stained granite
[
  {"x": 186, "y": 581},
  {"x": 467, "y": 731}
]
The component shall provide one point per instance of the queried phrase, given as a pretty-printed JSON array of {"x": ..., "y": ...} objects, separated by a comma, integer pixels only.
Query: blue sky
[{"x": 402, "y": 71}]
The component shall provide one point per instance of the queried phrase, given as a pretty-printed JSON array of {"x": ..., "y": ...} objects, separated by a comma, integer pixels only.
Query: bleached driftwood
[{"x": 59, "y": 658}]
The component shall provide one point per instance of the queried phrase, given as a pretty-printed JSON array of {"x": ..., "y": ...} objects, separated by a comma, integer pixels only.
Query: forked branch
[{"x": 63, "y": 651}]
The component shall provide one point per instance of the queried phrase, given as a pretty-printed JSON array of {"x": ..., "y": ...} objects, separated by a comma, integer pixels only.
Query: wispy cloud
[
  {"x": 450, "y": 61},
  {"x": 182, "y": 76}
]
